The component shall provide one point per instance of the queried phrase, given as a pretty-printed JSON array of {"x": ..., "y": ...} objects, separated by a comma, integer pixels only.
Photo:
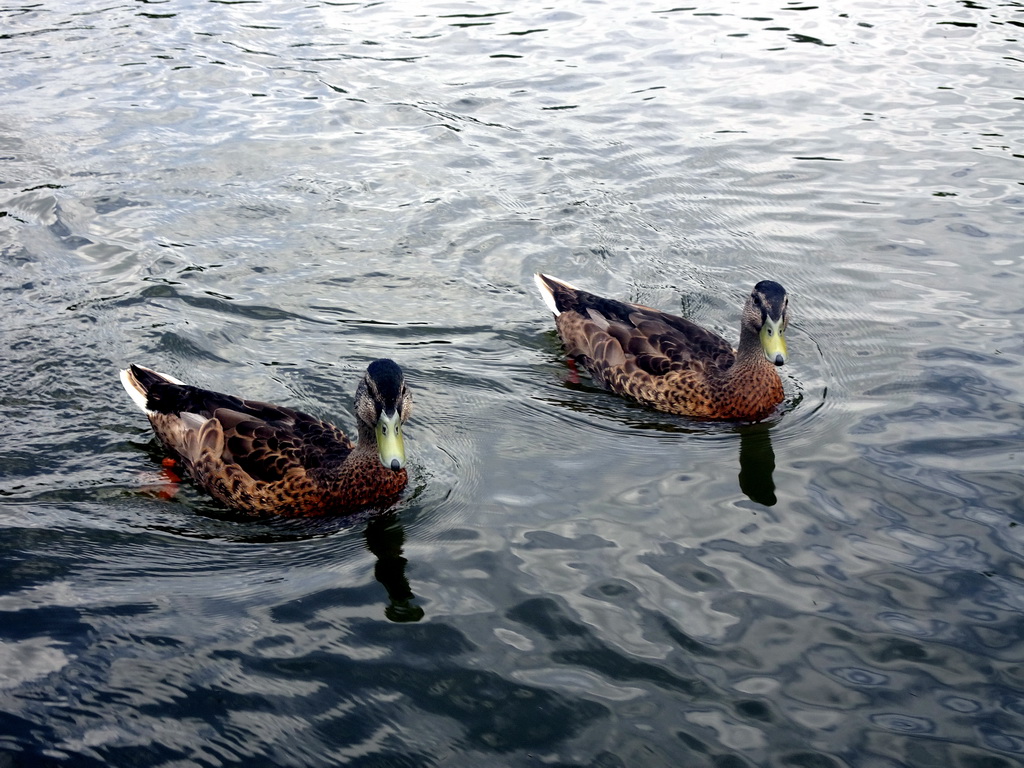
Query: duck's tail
[
  {"x": 548, "y": 286},
  {"x": 138, "y": 380}
]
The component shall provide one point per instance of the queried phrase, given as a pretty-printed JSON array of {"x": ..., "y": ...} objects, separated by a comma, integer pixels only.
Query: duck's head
[
  {"x": 766, "y": 314},
  {"x": 383, "y": 404}
]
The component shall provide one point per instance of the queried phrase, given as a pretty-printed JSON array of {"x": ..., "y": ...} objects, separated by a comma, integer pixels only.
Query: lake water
[{"x": 261, "y": 197}]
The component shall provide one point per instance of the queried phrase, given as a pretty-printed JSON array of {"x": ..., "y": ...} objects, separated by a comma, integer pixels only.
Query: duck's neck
[
  {"x": 749, "y": 354},
  {"x": 367, "y": 443},
  {"x": 752, "y": 378}
]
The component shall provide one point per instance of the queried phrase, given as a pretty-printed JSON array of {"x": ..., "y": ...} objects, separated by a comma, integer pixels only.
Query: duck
[
  {"x": 262, "y": 459},
  {"x": 672, "y": 364}
]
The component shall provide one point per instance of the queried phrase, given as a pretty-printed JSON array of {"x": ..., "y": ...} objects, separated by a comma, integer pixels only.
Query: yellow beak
[
  {"x": 390, "y": 446},
  {"x": 773, "y": 342}
]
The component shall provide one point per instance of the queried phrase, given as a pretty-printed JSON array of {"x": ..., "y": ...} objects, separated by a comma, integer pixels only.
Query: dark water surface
[{"x": 261, "y": 197}]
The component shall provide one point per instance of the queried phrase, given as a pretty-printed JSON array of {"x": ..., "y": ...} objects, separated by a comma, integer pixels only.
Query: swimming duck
[
  {"x": 264, "y": 459},
  {"x": 672, "y": 364}
]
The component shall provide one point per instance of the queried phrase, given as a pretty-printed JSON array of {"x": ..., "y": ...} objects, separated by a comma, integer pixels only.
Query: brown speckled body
[
  {"x": 263, "y": 459},
  {"x": 664, "y": 361},
  {"x": 268, "y": 475}
]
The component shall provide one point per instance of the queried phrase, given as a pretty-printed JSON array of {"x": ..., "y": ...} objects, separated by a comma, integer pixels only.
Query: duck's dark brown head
[
  {"x": 766, "y": 313},
  {"x": 383, "y": 404}
]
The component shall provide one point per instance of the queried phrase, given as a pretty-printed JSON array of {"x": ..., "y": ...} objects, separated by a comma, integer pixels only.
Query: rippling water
[{"x": 261, "y": 197}]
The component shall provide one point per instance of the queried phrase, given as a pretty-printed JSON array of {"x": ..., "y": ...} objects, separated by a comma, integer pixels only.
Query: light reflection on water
[{"x": 261, "y": 198}]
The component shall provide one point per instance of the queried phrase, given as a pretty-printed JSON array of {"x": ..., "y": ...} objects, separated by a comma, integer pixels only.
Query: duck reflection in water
[
  {"x": 757, "y": 464},
  {"x": 385, "y": 537}
]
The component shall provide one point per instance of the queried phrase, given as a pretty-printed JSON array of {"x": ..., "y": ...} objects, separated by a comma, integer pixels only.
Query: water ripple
[{"x": 261, "y": 198}]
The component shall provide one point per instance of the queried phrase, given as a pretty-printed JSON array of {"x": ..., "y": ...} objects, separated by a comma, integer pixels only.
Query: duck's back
[
  {"x": 253, "y": 456},
  {"x": 654, "y": 357}
]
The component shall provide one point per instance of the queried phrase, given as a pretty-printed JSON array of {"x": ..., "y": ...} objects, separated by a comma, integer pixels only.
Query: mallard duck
[
  {"x": 264, "y": 459},
  {"x": 670, "y": 363}
]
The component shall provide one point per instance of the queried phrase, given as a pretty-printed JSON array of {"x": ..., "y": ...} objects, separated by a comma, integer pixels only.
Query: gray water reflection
[{"x": 265, "y": 197}]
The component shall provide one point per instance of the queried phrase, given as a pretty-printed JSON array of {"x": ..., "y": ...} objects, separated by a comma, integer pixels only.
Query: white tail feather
[
  {"x": 545, "y": 290},
  {"x": 135, "y": 391}
]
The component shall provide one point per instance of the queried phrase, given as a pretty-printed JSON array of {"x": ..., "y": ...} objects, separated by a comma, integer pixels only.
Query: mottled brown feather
[
  {"x": 665, "y": 361},
  {"x": 263, "y": 459}
]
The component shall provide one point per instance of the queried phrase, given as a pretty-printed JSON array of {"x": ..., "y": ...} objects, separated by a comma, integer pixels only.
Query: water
[{"x": 261, "y": 197}]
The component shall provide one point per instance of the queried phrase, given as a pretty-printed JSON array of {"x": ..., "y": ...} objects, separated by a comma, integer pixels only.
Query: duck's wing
[
  {"x": 618, "y": 341},
  {"x": 236, "y": 447},
  {"x": 269, "y": 442}
]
